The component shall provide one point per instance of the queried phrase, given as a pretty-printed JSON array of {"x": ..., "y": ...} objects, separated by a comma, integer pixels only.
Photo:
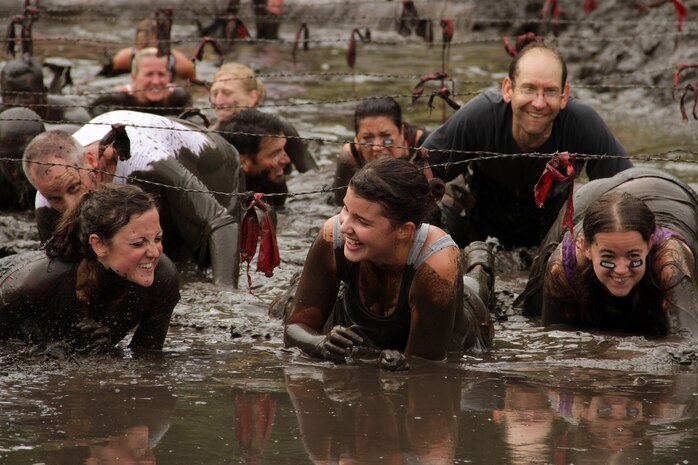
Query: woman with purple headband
[{"x": 630, "y": 264}]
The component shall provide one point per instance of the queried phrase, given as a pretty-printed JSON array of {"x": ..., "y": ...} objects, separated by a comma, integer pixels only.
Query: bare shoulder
[
  {"x": 327, "y": 232},
  {"x": 444, "y": 262},
  {"x": 346, "y": 157}
]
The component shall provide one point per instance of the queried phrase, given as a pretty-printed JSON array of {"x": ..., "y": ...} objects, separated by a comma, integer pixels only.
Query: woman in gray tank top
[{"x": 378, "y": 277}]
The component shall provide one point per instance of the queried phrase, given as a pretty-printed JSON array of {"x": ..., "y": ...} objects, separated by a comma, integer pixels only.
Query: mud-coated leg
[{"x": 478, "y": 264}]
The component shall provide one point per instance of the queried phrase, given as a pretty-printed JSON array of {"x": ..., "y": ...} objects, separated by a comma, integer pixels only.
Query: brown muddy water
[{"x": 225, "y": 391}]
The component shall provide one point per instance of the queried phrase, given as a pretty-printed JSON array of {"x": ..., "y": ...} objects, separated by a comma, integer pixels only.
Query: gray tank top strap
[
  {"x": 419, "y": 239},
  {"x": 337, "y": 241},
  {"x": 440, "y": 243}
]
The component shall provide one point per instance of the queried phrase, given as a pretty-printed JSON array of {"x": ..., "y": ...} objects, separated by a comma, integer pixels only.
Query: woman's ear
[
  {"x": 98, "y": 245},
  {"x": 586, "y": 248},
  {"x": 406, "y": 230},
  {"x": 253, "y": 98}
]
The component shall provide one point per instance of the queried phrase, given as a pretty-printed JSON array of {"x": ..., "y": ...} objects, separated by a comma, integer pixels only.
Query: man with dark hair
[
  {"x": 195, "y": 174},
  {"x": 260, "y": 140},
  {"x": 534, "y": 113}
]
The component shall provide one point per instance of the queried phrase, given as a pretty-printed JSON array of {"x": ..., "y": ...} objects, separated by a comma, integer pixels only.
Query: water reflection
[
  {"x": 102, "y": 424},
  {"x": 596, "y": 425},
  {"x": 437, "y": 415},
  {"x": 254, "y": 419},
  {"x": 350, "y": 415}
]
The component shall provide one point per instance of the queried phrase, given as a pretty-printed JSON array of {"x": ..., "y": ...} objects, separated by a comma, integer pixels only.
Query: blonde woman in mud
[{"x": 235, "y": 88}]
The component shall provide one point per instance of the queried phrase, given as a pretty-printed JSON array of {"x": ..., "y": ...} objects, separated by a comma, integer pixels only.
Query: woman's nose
[{"x": 154, "y": 250}]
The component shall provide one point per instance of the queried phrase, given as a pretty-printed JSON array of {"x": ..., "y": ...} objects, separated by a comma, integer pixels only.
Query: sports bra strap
[
  {"x": 417, "y": 243},
  {"x": 440, "y": 243}
]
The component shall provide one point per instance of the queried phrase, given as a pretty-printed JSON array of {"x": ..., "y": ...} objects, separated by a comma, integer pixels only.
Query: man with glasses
[{"x": 534, "y": 114}]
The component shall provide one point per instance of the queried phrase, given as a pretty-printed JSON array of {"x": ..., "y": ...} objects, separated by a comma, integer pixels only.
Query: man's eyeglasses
[{"x": 549, "y": 93}]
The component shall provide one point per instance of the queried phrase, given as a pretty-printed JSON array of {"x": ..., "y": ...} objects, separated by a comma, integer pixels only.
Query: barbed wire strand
[
  {"x": 405, "y": 42},
  {"x": 63, "y": 14},
  {"x": 480, "y": 156}
]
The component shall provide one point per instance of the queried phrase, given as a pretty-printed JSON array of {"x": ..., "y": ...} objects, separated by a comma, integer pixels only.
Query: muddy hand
[
  {"x": 338, "y": 342},
  {"x": 393, "y": 360},
  {"x": 93, "y": 337}
]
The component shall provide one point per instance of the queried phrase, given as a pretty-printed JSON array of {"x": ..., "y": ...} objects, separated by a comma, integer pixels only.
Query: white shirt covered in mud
[{"x": 182, "y": 164}]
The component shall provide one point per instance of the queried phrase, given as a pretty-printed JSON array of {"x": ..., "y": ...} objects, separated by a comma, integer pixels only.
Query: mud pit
[{"x": 225, "y": 390}]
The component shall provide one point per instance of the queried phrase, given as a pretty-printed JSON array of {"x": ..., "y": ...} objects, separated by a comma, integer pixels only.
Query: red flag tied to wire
[
  {"x": 268, "y": 257},
  {"x": 552, "y": 173}
]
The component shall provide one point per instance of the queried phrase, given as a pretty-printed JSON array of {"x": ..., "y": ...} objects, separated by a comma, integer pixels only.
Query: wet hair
[
  {"x": 146, "y": 53},
  {"x": 147, "y": 33},
  {"x": 245, "y": 130},
  {"x": 22, "y": 74},
  {"x": 245, "y": 74},
  {"x": 22, "y": 83},
  {"x": 18, "y": 126},
  {"x": 618, "y": 212},
  {"x": 514, "y": 64},
  {"x": 103, "y": 212},
  {"x": 398, "y": 186},
  {"x": 383, "y": 106},
  {"x": 51, "y": 144}
]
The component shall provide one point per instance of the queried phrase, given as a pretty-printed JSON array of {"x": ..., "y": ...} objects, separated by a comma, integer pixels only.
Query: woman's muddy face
[
  {"x": 151, "y": 81},
  {"x": 368, "y": 234},
  {"x": 134, "y": 251},
  {"x": 229, "y": 96},
  {"x": 377, "y": 132},
  {"x": 619, "y": 259}
]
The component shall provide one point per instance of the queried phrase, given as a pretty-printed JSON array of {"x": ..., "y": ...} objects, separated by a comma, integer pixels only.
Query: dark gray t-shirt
[{"x": 503, "y": 187}]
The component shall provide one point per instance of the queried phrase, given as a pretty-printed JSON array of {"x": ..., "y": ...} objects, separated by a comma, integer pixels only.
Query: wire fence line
[{"x": 473, "y": 156}]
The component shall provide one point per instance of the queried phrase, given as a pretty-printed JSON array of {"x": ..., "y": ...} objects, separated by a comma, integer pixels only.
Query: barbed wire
[
  {"x": 478, "y": 156},
  {"x": 172, "y": 110},
  {"x": 392, "y": 77},
  {"x": 475, "y": 39},
  {"x": 63, "y": 14}
]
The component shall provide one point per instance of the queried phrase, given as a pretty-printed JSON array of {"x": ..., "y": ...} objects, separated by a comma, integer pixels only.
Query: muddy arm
[
  {"x": 152, "y": 329},
  {"x": 680, "y": 299},
  {"x": 434, "y": 299},
  {"x": 315, "y": 297}
]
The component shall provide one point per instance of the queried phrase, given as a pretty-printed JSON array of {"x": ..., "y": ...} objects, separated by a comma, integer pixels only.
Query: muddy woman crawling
[
  {"x": 631, "y": 266},
  {"x": 378, "y": 277},
  {"x": 101, "y": 275}
]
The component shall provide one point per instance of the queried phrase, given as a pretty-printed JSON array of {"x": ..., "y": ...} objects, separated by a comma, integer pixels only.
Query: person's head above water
[
  {"x": 115, "y": 224},
  {"x": 146, "y": 33},
  {"x": 398, "y": 186},
  {"x": 259, "y": 138},
  {"x": 235, "y": 87},
  {"x": 377, "y": 124},
  {"x": 537, "y": 90},
  {"x": 22, "y": 84},
  {"x": 57, "y": 165},
  {"x": 150, "y": 76},
  {"x": 18, "y": 127},
  {"x": 617, "y": 238}
]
